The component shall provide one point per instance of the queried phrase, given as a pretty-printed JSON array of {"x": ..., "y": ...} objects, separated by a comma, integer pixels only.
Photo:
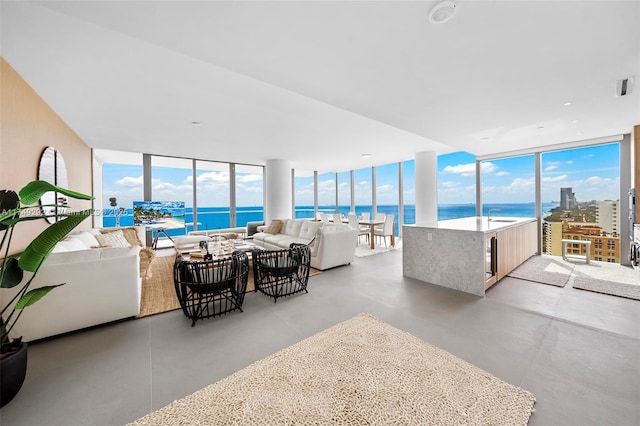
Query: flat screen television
[{"x": 159, "y": 214}]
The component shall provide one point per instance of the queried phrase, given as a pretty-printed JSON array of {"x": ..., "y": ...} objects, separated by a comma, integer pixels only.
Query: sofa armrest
[{"x": 336, "y": 245}]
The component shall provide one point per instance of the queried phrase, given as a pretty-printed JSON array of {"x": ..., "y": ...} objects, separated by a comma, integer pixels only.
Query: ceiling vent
[{"x": 624, "y": 86}]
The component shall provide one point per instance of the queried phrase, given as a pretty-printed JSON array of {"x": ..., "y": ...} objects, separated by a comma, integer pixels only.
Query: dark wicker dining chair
[
  {"x": 279, "y": 273},
  {"x": 213, "y": 287}
]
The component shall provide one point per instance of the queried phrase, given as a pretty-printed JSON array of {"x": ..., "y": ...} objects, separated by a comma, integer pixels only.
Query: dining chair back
[
  {"x": 387, "y": 229},
  {"x": 365, "y": 216},
  {"x": 337, "y": 218},
  {"x": 362, "y": 230},
  {"x": 324, "y": 217}
]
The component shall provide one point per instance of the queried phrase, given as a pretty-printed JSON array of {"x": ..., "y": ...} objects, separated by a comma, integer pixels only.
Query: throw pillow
[
  {"x": 87, "y": 238},
  {"x": 130, "y": 234},
  {"x": 274, "y": 227},
  {"x": 112, "y": 239}
]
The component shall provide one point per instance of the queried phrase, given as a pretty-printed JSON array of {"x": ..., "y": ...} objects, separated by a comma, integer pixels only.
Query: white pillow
[
  {"x": 59, "y": 248},
  {"x": 112, "y": 239},
  {"x": 87, "y": 238},
  {"x": 72, "y": 244}
]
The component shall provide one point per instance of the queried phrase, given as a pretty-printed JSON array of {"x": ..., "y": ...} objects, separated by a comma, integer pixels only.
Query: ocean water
[{"x": 210, "y": 218}]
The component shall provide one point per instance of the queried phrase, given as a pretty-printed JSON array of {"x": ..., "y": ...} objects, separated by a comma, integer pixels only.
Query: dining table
[{"x": 372, "y": 223}]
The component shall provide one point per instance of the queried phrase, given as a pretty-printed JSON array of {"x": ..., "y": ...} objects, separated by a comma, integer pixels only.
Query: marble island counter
[
  {"x": 468, "y": 254},
  {"x": 481, "y": 223}
]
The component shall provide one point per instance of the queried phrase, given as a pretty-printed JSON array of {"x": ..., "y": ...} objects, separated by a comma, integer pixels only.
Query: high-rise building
[
  {"x": 603, "y": 248},
  {"x": 607, "y": 216},
  {"x": 567, "y": 199}
]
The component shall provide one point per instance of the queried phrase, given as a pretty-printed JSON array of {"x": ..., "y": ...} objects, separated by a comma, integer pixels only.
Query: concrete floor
[{"x": 577, "y": 352}]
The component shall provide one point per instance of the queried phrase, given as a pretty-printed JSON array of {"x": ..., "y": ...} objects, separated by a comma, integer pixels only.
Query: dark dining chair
[
  {"x": 209, "y": 288},
  {"x": 279, "y": 273}
]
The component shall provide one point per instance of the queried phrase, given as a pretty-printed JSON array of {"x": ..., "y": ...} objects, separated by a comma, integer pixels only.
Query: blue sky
[{"x": 592, "y": 172}]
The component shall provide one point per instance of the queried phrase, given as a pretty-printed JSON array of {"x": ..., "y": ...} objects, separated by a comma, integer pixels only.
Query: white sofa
[
  {"x": 101, "y": 285},
  {"x": 331, "y": 245}
]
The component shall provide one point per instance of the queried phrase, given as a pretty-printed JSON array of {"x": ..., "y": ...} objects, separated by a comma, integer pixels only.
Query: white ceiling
[{"x": 321, "y": 82}]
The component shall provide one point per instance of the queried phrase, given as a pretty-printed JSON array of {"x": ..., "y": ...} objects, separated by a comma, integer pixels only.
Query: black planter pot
[{"x": 13, "y": 370}]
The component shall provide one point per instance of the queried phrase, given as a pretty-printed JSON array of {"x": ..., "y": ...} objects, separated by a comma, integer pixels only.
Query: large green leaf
[
  {"x": 11, "y": 274},
  {"x": 42, "y": 245},
  {"x": 34, "y": 190},
  {"x": 9, "y": 202},
  {"x": 34, "y": 295}
]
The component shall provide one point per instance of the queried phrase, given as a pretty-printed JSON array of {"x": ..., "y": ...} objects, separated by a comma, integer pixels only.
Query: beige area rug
[
  {"x": 611, "y": 279},
  {"x": 360, "y": 372},
  {"x": 364, "y": 249},
  {"x": 544, "y": 269},
  {"x": 158, "y": 291}
]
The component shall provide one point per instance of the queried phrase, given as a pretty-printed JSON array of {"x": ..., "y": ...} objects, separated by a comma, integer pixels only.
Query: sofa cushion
[
  {"x": 309, "y": 229},
  {"x": 112, "y": 239},
  {"x": 130, "y": 234},
  {"x": 292, "y": 227},
  {"x": 274, "y": 227},
  {"x": 71, "y": 244},
  {"x": 87, "y": 238},
  {"x": 276, "y": 239}
]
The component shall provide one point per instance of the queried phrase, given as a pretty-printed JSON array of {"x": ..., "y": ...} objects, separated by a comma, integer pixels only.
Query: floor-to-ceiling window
[
  {"x": 508, "y": 186},
  {"x": 344, "y": 192},
  {"x": 387, "y": 192},
  {"x": 327, "y": 193},
  {"x": 213, "y": 203},
  {"x": 249, "y": 194},
  {"x": 456, "y": 185},
  {"x": 118, "y": 183},
  {"x": 409, "y": 191},
  {"x": 303, "y": 194},
  {"x": 363, "y": 188},
  {"x": 580, "y": 193},
  {"x": 172, "y": 193}
]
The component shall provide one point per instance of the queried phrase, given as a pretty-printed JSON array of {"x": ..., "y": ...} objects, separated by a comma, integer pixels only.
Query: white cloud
[
  {"x": 386, "y": 188},
  {"x": 502, "y": 173},
  {"x": 130, "y": 181},
  {"x": 559, "y": 178},
  {"x": 449, "y": 184},
  {"x": 522, "y": 183},
  {"x": 469, "y": 169},
  {"x": 549, "y": 168},
  {"x": 248, "y": 178},
  {"x": 213, "y": 177}
]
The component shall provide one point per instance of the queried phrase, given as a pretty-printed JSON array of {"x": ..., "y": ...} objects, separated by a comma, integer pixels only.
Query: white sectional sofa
[
  {"x": 101, "y": 285},
  {"x": 331, "y": 245}
]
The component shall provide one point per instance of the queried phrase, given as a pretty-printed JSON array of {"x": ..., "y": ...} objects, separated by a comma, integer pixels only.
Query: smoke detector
[
  {"x": 442, "y": 12},
  {"x": 624, "y": 86}
]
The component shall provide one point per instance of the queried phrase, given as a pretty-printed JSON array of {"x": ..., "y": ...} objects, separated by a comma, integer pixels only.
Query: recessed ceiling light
[
  {"x": 442, "y": 12},
  {"x": 196, "y": 123},
  {"x": 540, "y": 127},
  {"x": 568, "y": 103},
  {"x": 366, "y": 155},
  {"x": 574, "y": 121},
  {"x": 484, "y": 139}
]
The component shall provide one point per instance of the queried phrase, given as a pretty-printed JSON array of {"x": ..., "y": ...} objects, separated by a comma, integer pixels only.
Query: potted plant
[{"x": 16, "y": 208}]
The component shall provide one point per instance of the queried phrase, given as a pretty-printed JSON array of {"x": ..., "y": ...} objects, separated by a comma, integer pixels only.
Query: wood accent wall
[
  {"x": 515, "y": 245},
  {"x": 27, "y": 126}
]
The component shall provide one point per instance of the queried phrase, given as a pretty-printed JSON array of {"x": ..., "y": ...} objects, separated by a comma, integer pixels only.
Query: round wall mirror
[{"x": 53, "y": 170}]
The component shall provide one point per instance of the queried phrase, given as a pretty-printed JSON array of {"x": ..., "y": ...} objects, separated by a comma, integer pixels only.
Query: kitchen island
[{"x": 468, "y": 254}]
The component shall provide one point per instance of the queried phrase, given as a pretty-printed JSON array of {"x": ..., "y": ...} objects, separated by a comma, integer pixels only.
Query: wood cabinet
[{"x": 515, "y": 245}]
